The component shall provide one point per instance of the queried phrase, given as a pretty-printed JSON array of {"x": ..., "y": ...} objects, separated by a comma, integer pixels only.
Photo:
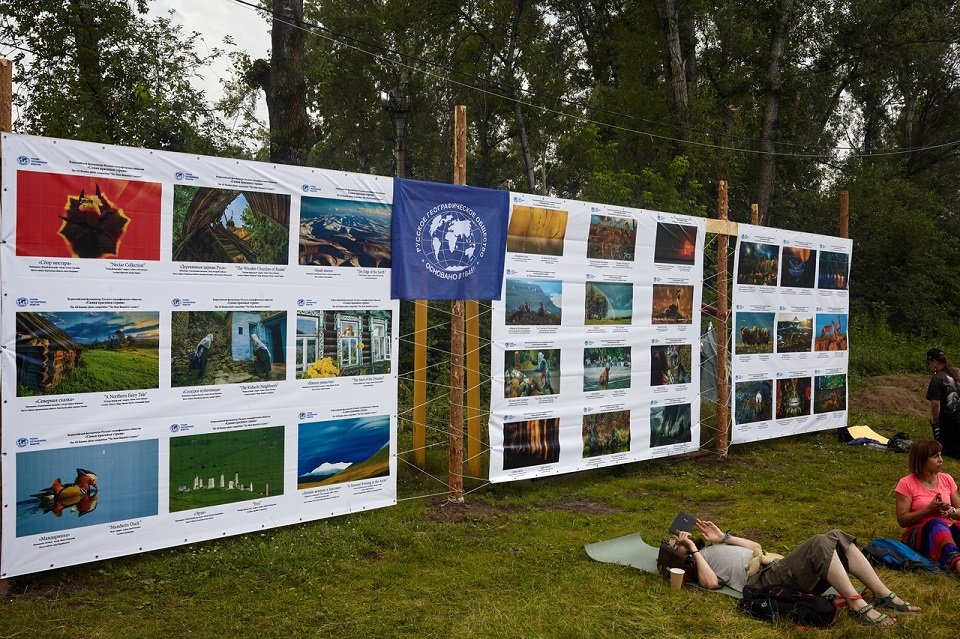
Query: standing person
[
  {"x": 261, "y": 357},
  {"x": 944, "y": 402},
  {"x": 928, "y": 506},
  {"x": 202, "y": 354},
  {"x": 544, "y": 367},
  {"x": 813, "y": 566}
]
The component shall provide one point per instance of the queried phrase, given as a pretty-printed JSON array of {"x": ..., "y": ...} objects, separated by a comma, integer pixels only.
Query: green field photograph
[
  {"x": 223, "y": 468},
  {"x": 87, "y": 352}
]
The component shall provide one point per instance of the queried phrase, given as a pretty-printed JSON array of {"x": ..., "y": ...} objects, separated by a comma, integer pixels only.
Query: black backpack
[{"x": 773, "y": 603}]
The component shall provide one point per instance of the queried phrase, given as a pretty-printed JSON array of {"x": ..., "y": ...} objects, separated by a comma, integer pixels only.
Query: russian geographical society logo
[
  {"x": 21, "y": 301},
  {"x": 178, "y": 175},
  {"x": 451, "y": 240},
  {"x": 22, "y": 442},
  {"x": 174, "y": 428},
  {"x": 176, "y": 301},
  {"x": 303, "y": 415},
  {"x": 305, "y": 187},
  {"x": 301, "y": 302},
  {"x": 23, "y": 160}
]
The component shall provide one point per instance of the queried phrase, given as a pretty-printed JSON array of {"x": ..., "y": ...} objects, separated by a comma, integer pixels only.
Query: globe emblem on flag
[{"x": 452, "y": 240}]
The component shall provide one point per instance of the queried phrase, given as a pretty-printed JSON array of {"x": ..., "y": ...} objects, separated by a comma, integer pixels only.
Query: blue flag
[{"x": 448, "y": 241}]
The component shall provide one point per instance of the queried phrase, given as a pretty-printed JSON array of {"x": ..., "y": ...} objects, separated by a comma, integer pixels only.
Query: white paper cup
[{"x": 676, "y": 578}]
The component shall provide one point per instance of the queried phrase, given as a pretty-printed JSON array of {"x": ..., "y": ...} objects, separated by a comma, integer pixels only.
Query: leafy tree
[{"x": 101, "y": 71}]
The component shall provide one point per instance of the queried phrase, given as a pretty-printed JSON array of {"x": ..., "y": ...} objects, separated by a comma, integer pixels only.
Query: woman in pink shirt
[{"x": 928, "y": 506}]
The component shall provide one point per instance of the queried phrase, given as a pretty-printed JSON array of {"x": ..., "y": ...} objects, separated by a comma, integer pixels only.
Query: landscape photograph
[
  {"x": 533, "y": 302},
  {"x": 214, "y": 469},
  {"x": 344, "y": 233},
  {"x": 64, "y": 488},
  {"x": 87, "y": 352},
  {"x": 534, "y": 229},
  {"x": 608, "y": 303},
  {"x": 338, "y": 451},
  {"x": 612, "y": 238},
  {"x": 794, "y": 333},
  {"x": 63, "y": 215},
  {"x": 230, "y": 226}
]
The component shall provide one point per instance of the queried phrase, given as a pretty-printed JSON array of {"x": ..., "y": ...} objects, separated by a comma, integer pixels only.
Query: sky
[{"x": 215, "y": 20}]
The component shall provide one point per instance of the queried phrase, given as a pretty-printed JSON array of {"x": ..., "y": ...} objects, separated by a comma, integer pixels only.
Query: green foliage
[
  {"x": 102, "y": 72},
  {"x": 268, "y": 239}
]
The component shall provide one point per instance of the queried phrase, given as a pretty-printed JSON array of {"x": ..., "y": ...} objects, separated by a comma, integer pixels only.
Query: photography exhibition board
[
  {"x": 790, "y": 355},
  {"x": 193, "y": 347},
  {"x": 595, "y": 352}
]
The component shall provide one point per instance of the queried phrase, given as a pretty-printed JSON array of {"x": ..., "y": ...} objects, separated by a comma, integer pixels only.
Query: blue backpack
[{"x": 896, "y": 555}]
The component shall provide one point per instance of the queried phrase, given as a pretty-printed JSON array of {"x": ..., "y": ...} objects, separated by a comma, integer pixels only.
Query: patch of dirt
[{"x": 893, "y": 395}]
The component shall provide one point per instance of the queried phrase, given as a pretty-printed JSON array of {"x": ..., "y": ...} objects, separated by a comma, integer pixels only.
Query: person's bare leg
[
  {"x": 838, "y": 578},
  {"x": 861, "y": 569}
]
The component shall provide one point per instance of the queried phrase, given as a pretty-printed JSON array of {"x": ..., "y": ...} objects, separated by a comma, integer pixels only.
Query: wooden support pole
[
  {"x": 6, "y": 96},
  {"x": 473, "y": 388},
  {"x": 723, "y": 328},
  {"x": 420, "y": 383},
  {"x": 755, "y": 214},
  {"x": 457, "y": 314}
]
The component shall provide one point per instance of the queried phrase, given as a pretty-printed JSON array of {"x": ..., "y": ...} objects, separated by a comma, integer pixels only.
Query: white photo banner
[
  {"x": 192, "y": 347},
  {"x": 791, "y": 304},
  {"x": 596, "y": 353}
]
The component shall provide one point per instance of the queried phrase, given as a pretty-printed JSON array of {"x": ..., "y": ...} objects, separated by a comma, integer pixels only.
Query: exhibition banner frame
[{"x": 193, "y": 347}]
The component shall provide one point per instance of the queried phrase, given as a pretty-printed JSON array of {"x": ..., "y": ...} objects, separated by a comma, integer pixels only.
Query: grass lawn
[
  {"x": 104, "y": 371},
  {"x": 507, "y": 563}
]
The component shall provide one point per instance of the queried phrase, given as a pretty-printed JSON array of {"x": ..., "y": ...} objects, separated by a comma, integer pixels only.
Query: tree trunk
[
  {"x": 291, "y": 135},
  {"x": 96, "y": 114},
  {"x": 513, "y": 95},
  {"x": 674, "y": 61},
  {"x": 771, "y": 114}
]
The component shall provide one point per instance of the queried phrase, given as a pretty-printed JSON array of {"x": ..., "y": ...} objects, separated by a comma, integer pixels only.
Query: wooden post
[
  {"x": 755, "y": 214},
  {"x": 845, "y": 214},
  {"x": 723, "y": 329},
  {"x": 456, "y": 329},
  {"x": 6, "y": 126},
  {"x": 473, "y": 388},
  {"x": 420, "y": 383}
]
